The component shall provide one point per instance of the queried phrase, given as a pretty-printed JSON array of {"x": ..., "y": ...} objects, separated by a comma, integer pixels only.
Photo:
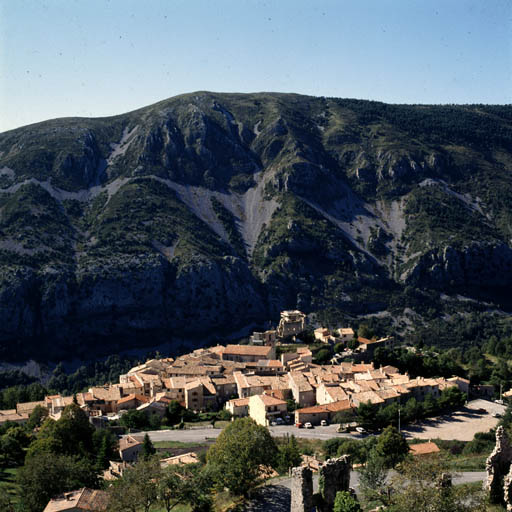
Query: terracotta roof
[
  {"x": 424, "y": 448},
  {"x": 131, "y": 397},
  {"x": 239, "y": 402},
  {"x": 270, "y": 400},
  {"x": 249, "y": 350},
  {"x": 341, "y": 405}
]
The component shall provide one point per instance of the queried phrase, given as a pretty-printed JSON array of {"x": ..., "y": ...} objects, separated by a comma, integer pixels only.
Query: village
[{"x": 248, "y": 380}]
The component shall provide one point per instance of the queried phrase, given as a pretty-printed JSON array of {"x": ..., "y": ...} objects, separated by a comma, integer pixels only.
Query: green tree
[
  {"x": 12, "y": 445},
  {"x": 174, "y": 413},
  {"x": 419, "y": 486},
  {"x": 366, "y": 415},
  {"x": 137, "y": 489},
  {"x": 148, "y": 450},
  {"x": 373, "y": 480},
  {"x": 239, "y": 453},
  {"x": 45, "y": 475},
  {"x": 134, "y": 419},
  {"x": 345, "y": 502},
  {"x": 185, "y": 484},
  {"x": 37, "y": 416},
  {"x": 104, "y": 446},
  {"x": 288, "y": 455},
  {"x": 391, "y": 447},
  {"x": 6, "y": 504}
]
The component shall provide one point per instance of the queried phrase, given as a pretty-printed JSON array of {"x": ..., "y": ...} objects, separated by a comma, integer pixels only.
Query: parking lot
[{"x": 461, "y": 425}]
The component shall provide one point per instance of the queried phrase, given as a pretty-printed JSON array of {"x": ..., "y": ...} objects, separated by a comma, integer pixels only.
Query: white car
[
  {"x": 308, "y": 425},
  {"x": 361, "y": 430},
  {"x": 323, "y": 423}
]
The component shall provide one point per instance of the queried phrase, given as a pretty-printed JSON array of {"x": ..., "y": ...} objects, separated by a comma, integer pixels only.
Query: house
[
  {"x": 462, "y": 384},
  {"x": 302, "y": 391},
  {"x": 56, "y": 404},
  {"x": 129, "y": 448},
  {"x": 326, "y": 394},
  {"x": 86, "y": 500},
  {"x": 317, "y": 413},
  {"x": 346, "y": 334},
  {"x": 323, "y": 335},
  {"x": 424, "y": 448},
  {"x": 28, "y": 407},
  {"x": 291, "y": 323},
  {"x": 263, "y": 338},
  {"x": 248, "y": 353},
  {"x": 131, "y": 402},
  {"x": 238, "y": 407},
  {"x": 263, "y": 409},
  {"x": 11, "y": 415},
  {"x": 369, "y": 346}
]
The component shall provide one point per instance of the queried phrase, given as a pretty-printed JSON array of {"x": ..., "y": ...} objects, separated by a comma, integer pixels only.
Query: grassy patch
[{"x": 8, "y": 483}]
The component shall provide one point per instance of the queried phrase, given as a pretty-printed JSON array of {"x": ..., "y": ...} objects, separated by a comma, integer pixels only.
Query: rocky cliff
[{"x": 208, "y": 212}]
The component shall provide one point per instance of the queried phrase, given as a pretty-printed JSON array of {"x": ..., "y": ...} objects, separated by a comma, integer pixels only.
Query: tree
[
  {"x": 366, "y": 414},
  {"x": 11, "y": 447},
  {"x": 185, "y": 484},
  {"x": 46, "y": 474},
  {"x": 37, "y": 416},
  {"x": 345, "y": 502},
  {"x": 148, "y": 450},
  {"x": 137, "y": 489},
  {"x": 323, "y": 356},
  {"x": 6, "y": 505},
  {"x": 239, "y": 454},
  {"x": 134, "y": 419},
  {"x": 419, "y": 486},
  {"x": 372, "y": 480},
  {"x": 104, "y": 446},
  {"x": 391, "y": 447},
  {"x": 289, "y": 455},
  {"x": 174, "y": 412}
]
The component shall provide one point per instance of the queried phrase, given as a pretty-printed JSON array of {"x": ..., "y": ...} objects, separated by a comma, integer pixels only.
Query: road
[{"x": 200, "y": 435}]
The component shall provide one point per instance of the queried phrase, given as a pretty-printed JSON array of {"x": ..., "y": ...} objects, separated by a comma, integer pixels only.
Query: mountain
[{"x": 208, "y": 212}]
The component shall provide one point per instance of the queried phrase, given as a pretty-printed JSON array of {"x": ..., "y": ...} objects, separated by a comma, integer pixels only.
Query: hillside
[{"x": 205, "y": 213}]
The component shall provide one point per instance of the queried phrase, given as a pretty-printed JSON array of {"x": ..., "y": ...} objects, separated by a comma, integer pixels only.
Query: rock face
[
  {"x": 216, "y": 211},
  {"x": 498, "y": 466}
]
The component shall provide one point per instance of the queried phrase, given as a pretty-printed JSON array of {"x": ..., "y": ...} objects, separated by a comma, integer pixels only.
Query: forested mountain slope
[{"x": 208, "y": 212}]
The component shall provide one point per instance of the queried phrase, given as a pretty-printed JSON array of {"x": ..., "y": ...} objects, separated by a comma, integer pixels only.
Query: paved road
[{"x": 196, "y": 435}]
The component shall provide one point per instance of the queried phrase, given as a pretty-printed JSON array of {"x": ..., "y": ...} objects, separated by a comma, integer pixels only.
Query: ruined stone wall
[
  {"x": 302, "y": 490},
  {"x": 498, "y": 467},
  {"x": 334, "y": 476}
]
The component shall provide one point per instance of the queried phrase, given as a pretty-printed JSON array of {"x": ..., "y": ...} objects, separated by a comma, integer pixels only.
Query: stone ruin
[
  {"x": 499, "y": 471},
  {"x": 334, "y": 476}
]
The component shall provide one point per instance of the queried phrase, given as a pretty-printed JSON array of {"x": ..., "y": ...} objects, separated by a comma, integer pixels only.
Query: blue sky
[{"x": 103, "y": 57}]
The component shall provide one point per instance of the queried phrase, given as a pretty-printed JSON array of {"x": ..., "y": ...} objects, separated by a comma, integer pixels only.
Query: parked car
[
  {"x": 324, "y": 423},
  {"x": 496, "y": 415},
  {"x": 308, "y": 425},
  {"x": 279, "y": 421},
  {"x": 361, "y": 430},
  {"x": 299, "y": 424}
]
